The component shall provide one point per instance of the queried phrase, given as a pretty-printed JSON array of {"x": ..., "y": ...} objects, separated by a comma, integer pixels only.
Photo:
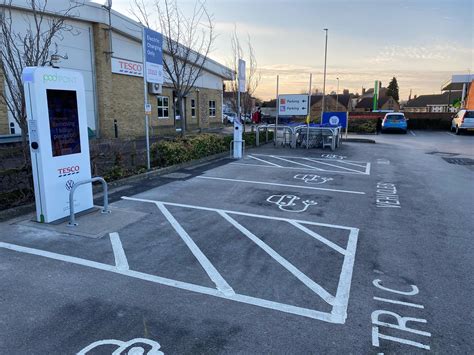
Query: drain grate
[
  {"x": 446, "y": 154},
  {"x": 460, "y": 161}
]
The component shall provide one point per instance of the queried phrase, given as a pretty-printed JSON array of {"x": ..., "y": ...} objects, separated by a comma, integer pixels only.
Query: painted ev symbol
[
  {"x": 291, "y": 203},
  {"x": 312, "y": 178},
  {"x": 137, "y": 346}
]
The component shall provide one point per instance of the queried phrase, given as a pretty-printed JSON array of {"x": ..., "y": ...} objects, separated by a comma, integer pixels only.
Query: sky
[{"x": 420, "y": 42}]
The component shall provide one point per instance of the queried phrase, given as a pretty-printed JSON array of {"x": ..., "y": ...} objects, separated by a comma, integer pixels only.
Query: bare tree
[
  {"x": 187, "y": 41},
  {"x": 33, "y": 46},
  {"x": 253, "y": 75}
]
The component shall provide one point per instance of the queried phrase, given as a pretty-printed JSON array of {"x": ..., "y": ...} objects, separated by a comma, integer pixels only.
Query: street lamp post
[
  {"x": 324, "y": 80},
  {"x": 337, "y": 94}
]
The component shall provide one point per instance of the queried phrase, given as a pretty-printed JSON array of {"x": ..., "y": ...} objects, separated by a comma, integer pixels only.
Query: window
[
  {"x": 163, "y": 107},
  {"x": 212, "y": 108},
  {"x": 193, "y": 108}
]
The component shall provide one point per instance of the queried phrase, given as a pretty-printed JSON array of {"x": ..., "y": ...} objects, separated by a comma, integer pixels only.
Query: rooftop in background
[
  {"x": 440, "y": 99},
  {"x": 457, "y": 81}
]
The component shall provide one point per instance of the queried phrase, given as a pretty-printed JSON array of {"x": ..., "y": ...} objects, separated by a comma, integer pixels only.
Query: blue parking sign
[{"x": 335, "y": 118}]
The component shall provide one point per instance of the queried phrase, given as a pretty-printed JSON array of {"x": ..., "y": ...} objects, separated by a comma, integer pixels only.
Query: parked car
[
  {"x": 228, "y": 117},
  {"x": 394, "y": 121},
  {"x": 463, "y": 120}
]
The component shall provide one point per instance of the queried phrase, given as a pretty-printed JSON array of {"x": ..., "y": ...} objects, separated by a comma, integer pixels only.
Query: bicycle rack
[{"x": 72, "y": 220}]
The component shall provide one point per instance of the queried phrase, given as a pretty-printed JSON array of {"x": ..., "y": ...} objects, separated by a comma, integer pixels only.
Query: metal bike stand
[{"x": 72, "y": 220}]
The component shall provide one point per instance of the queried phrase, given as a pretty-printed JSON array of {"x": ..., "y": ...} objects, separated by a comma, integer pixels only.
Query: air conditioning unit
[{"x": 155, "y": 89}]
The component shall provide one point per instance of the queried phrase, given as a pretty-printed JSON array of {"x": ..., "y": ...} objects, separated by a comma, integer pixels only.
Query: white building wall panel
[{"x": 76, "y": 45}]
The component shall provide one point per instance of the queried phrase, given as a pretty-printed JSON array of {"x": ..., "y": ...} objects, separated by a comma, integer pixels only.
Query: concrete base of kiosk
[{"x": 91, "y": 223}]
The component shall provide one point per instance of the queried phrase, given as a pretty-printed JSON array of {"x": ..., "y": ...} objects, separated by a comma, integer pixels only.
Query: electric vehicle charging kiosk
[
  {"x": 59, "y": 142},
  {"x": 238, "y": 128}
]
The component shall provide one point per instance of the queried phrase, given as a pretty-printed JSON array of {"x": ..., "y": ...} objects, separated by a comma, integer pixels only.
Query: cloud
[
  {"x": 437, "y": 52},
  {"x": 243, "y": 27}
]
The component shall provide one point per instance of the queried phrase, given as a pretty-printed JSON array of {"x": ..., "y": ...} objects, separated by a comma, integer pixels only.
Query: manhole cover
[
  {"x": 460, "y": 161},
  {"x": 177, "y": 176}
]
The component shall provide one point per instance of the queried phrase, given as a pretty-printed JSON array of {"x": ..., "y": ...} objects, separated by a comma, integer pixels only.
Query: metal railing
[
  {"x": 310, "y": 137},
  {"x": 72, "y": 220},
  {"x": 286, "y": 137}
]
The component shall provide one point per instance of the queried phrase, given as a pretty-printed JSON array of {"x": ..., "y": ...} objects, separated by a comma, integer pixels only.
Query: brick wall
[{"x": 470, "y": 97}]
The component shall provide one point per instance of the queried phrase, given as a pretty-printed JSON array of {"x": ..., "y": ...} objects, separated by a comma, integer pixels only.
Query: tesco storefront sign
[{"x": 127, "y": 67}]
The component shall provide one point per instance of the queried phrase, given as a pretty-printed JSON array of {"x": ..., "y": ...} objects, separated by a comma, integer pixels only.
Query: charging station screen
[{"x": 63, "y": 122}]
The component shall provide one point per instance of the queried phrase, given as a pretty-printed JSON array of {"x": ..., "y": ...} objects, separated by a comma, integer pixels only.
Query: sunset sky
[{"x": 421, "y": 42}]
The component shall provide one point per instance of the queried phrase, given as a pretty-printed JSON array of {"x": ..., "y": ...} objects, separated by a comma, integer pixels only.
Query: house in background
[
  {"x": 433, "y": 103},
  {"x": 386, "y": 103}
]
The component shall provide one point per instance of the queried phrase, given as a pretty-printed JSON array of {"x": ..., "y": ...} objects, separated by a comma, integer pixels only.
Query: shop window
[
  {"x": 212, "y": 108},
  {"x": 163, "y": 106}
]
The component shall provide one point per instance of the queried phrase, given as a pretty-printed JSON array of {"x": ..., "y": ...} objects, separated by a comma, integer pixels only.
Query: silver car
[{"x": 463, "y": 120}]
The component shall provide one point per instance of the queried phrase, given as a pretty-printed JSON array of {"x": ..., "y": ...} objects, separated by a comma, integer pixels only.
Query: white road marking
[
  {"x": 300, "y": 169},
  {"x": 408, "y": 304},
  {"x": 287, "y": 202},
  {"x": 123, "y": 346},
  {"x": 119, "y": 254},
  {"x": 215, "y": 276},
  {"x": 294, "y": 162},
  {"x": 268, "y": 162},
  {"x": 335, "y": 166},
  {"x": 358, "y": 164},
  {"x": 320, "y": 238},
  {"x": 239, "y": 213},
  {"x": 297, "y": 157},
  {"x": 326, "y": 296},
  {"x": 451, "y": 134},
  {"x": 304, "y": 312},
  {"x": 367, "y": 169},
  {"x": 412, "y": 133},
  {"x": 353, "y": 164},
  {"x": 339, "y": 310},
  {"x": 283, "y": 185}
]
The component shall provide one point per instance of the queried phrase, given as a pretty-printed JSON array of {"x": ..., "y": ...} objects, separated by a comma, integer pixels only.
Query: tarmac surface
[{"x": 364, "y": 250}]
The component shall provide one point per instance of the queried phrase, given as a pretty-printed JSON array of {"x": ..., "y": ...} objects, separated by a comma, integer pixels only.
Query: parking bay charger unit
[{"x": 59, "y": 143}]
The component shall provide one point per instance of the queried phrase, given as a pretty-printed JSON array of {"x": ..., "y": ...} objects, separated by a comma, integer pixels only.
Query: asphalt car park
[{"x": 363, "y": 250}]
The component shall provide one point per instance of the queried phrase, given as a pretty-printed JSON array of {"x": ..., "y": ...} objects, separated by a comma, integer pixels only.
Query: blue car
[{"x": 394, "y": 121}]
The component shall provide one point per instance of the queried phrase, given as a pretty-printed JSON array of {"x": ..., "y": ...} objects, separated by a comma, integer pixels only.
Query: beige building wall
[
  {"x": 4, "y": 127},
  {"x": 120, "y": 101}
]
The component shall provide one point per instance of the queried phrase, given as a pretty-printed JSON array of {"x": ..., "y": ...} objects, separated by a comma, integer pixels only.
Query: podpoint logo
[{"x": 58, "y": 78}]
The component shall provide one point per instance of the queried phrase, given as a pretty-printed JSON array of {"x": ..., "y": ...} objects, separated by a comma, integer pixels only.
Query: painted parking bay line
[{"x": 278, "y": 184}]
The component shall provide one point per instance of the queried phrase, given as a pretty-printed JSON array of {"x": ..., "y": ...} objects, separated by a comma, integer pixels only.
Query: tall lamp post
[
  {"x": 337, "y": 94},
  {"x": 324, "y": 80}
]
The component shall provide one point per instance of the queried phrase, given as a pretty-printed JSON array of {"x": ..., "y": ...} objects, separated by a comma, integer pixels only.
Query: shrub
[
  {"x": 362, "y": 125},
  {"x": 181, "y": 150}
]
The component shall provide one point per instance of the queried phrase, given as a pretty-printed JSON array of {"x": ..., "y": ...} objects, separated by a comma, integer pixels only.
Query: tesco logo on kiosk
[
  {"x": 127, "y": 67},
  {"x": 70, "y": 170}
]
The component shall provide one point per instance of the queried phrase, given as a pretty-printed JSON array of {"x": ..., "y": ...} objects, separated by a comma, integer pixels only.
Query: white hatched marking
[
  {"x": 264, "y": 161},
  {"x": 336, "y": 166},
  {"x": 320, "y": 238},
  {"x": 215, "y": 276},
  {"x": 326, "y": 296},
  {"x": 285, "y": 185}
]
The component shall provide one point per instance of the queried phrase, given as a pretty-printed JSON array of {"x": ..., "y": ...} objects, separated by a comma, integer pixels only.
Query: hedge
[
  {"x": 362, "y": 125},
  {"x": 181, "y": 150}
]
